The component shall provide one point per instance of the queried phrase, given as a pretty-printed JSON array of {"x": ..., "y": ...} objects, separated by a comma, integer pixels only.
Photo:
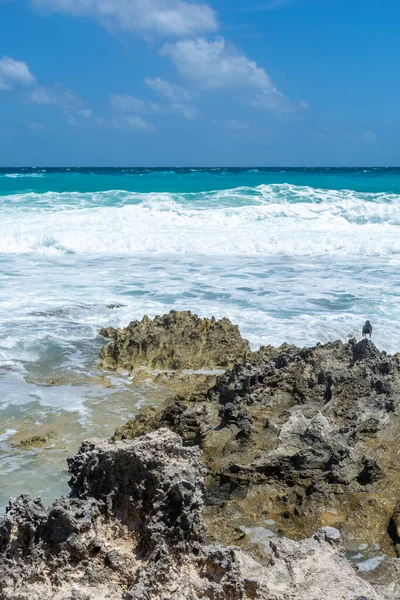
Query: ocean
[{"x": 290, "y": 255}]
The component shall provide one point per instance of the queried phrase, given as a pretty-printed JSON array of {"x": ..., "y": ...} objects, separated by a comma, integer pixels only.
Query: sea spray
[{"x": 269, "y": 220}]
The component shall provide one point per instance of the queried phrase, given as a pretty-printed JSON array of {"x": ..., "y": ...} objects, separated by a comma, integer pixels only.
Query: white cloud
[
  {"x": 14, "y": 73},
  {"x": 272, "y": 99},
  {"x": 187, "y": 111},
  {"x": 76, "y": 119},
  {"x": 86, "y": 113},
  {"x": 125, "y": 122},
  {"x": 178, "y": 96},
  {"x": 266, "y": 7},
  {"x": 172, "y": 91},
  {"x": 126, "y": 103},
  {"x": 137, "y": 123},
  {"x": 169, "y": 17},
  {"x": 55, "y": 95},
  {"x": 215, "y": 65}
]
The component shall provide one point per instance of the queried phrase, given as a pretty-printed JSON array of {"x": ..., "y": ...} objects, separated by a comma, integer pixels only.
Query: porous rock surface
[
  {"x": 308, "y": 437},
  {"x": 132, "y": 529},
  {"x": 178, "y": 340}
]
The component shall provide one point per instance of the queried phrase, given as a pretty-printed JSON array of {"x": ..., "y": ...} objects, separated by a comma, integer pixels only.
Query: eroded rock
[
  {"x": 154, "y": 482},
  {"x": 178, "y": 340},
  {"x": 132, "y": 529},
  {"x": 37, "y": 441},
  {"x": 308, "y": 437}
]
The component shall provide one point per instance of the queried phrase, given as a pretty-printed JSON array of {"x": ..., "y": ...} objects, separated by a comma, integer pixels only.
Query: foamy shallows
[
  {"x": 268, "y": 220},
  {"x": 297, "y": 256}
]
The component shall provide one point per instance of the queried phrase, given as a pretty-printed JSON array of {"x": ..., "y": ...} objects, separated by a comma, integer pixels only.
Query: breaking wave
[{"x": 277, "y": 219}]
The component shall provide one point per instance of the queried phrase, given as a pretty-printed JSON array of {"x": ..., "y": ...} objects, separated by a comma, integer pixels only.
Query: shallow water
[{"x": 299, "y": 256}]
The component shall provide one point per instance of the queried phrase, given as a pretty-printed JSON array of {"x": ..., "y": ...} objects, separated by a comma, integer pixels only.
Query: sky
[{"x": 187, "y": 83}]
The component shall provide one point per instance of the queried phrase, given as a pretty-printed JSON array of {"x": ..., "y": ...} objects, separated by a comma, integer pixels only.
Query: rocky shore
[
  {"x": 132, "y": 529},
  {"x": 305, "y": 438}
]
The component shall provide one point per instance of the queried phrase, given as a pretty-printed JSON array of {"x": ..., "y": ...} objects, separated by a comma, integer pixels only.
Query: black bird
[{"x": 367, "y": 330}]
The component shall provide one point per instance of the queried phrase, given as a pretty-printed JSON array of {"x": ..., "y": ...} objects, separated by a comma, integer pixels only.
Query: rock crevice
[
  {"x": 132, "y": 529},
  {"x": 309, "y": 435}
]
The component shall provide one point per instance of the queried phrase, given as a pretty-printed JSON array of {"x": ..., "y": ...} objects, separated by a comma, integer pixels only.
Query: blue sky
[{"x": 173, "y": 82}]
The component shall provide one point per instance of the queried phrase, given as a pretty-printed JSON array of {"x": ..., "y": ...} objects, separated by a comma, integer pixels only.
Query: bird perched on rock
[{"x": 367, "y": 330}]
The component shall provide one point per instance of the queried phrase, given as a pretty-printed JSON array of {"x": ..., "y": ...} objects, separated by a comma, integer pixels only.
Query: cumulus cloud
[
  {"x": 179, "y": 96},
  {"x": 212, "y": 64},
  {"x": 14, "y": 73},
  {"x": 272, "y": 99},
  {"x": 137, "y": 123},
  {"x": 126, "y": 103},
  {"x": 172, "y": 91},
  {"x": 215, "y": 65},
  {"x": 55, "y": 95},
  {"x": 124, "y": 122},
  {"x": 265, "y": 7},
  {"x": 86, "y": 113},
  {"x": 128, "y": 122},
  {"x": 168, "y": 17}
]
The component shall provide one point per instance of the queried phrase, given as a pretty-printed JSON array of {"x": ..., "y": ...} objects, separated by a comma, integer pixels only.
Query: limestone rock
[
  {"x": 385, "y": 579},
  {"x": 178, "y": 340},
  {"x": 37, "y": 441},
  {"x": 147, "y": 420},
  {"x": 132, "y": 529},
  {"x": 308, "y": 436},
  {"x": 153, "y": 482}
]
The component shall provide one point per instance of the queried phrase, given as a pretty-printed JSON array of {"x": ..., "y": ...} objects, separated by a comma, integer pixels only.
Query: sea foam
[{"x": 268, "y": 220}]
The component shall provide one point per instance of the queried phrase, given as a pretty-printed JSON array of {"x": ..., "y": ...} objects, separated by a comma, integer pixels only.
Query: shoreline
[
  {"x": 137, "y": 532},
  {"x": 271, "y": 470}
]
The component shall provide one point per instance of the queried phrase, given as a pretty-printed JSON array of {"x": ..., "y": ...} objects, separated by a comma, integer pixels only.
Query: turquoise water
[
  {"x": 40, "y": 180},
  {"x": 302, "y": 256}
]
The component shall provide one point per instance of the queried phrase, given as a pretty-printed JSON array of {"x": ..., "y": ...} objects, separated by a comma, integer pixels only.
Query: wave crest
[{"x": 268, "y": 219}]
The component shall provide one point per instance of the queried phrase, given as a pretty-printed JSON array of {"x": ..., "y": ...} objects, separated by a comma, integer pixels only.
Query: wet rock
[
  {"x": 193, "y": 423},
  {"x": 115, "y": 305},
  {"x": 37, "y": 441},
  {"x": 308, "y": 436},
  {"x": 186, "y": 383},
  {"x": 109, "y": 333},
  {"x": 144, "y": 495},
  {"x": 331, "y": 437},
  {"x": 146, "y": 421},
  {"x": 385, "y": 579},
  {"x": 178, "y": 340},
  {"x": 132, "y": 528}
]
